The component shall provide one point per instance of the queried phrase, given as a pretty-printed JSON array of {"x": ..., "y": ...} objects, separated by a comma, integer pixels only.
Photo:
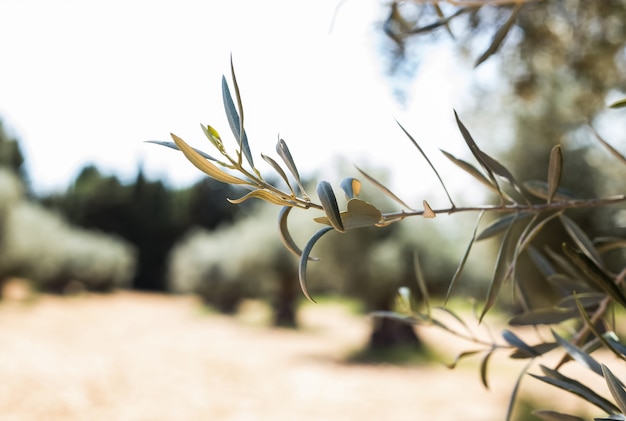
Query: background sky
[{"x": 87, "y": 81}]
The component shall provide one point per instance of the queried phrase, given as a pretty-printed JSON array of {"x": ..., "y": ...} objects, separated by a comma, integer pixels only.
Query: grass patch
[{"x": 400, "y": 355}]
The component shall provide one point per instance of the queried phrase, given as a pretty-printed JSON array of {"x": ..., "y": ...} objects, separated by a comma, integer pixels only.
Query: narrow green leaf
[
  {"x": 581, "y": 239},
  {"x": 471, "y": 170},
  {"x": 501, "y": 271},
  {"x": 537, "y": 350},
  {"x": 329, "y": 203},
  {"x": 546, "y": 316},
  {"x": 265, "y": 195},
  {"x": 280, "y": 172},
  {"x": 595, "y": 275},
  {"x": 173, "y": 145},
  {"x": 304, "y": 259},
  {"x": 234, "y": 121},
  {"x": 578, "y": 354},
  {"x": 285, "y": 235},
  {"x": 612, "y": 339},
  {"x": 568, "y": 285},
  {"x": 618, "y": 104},
  {"x": 540, "y": 189},
  {"x": 502, "y": 171},
  {"x": 615, "y": 387},
  {"x": 514, "y": 340},
  {"x": 351, "y": 186},
  {"x": 592, "y": 327},
  {"x": 484, "y": 365},
  {"x": 555, "y": 378},
  {"x": 554, "y": 171},
  {"x": 462, "y": 356},
  {"x": 459, "y": 269},
  {"x": 384, "y": 189},
  {"x": 421, "y": 282},
  {"x": 546, "y": 415},
  {"x": 429, "y": 163},
  {"x": 513, "y": 399},
  {"x": 541, "y": 262},
  {"x": 500, "y": 35},
  {"x": 204, "y": 165},
  {"x": 608, "y": 147},
  {"x": 500, "y": 225},
  {"x": 283, "y": 151},
  {"x": 213, "y": 137},
  {"x": 478, "y": 154}
]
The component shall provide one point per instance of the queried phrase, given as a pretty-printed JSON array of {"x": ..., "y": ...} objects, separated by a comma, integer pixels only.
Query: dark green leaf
[
  {"x": 581, "y": 240},
  {"x": 285, "y": 235},
  {"x": 478, "y": 154},
  {"x": 595, "y": 275},
  {"x": 502, "y": 270},
  {"x": 555, "y": 416},
  {"x": 568, "y": 285},
  {"x": 618, "y": 104},
  {"x": 554, "y": 171},
  {"x": 461, "y": 356},
  {"x": 541, "y": 262},
  {"x": 585, "y": 299},
  {"x": 304, "y": 259},
  {"x": 502, "y": 171},
  {"x": 539, "y": 349},
  {"x": 555, "y": 378},
  {"x": 514, "y": 340},
  {"x": 578, "y": 354},
  {"x": 483, "y": 368},
  {"x": 547, "y": 316},
  {"x": 500, "y": 225},
  {"x": 616, "y": 388},
  {"x": 329, "y": 203},
  {"x": 615, "y": 344}
]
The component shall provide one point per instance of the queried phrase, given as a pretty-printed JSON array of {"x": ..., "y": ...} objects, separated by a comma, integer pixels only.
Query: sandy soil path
[{"x": 142, "y": 357}]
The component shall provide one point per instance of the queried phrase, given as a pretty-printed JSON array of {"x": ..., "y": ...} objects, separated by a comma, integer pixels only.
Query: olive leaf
[
  {"x": 351, "y": 186},
  {"x": 615, "y": 387},
  {"x": 329, "y": 203},
  {"x": 384, "y": 189},
  {"x": 172, "y": 145},
  {"x": 283, "y": 151},
  {"x": 204, "y": 165},
  {"x": 236, "y": 124},
  {"x": 359, "y": 214},
  {"x": 500, "y": 35},
  {"x": 554, "y": 171},
  {"x": 285, "y": 235},
  {"x": 500, "y": 225},
  {"x": 279, "y": 171},
  {"x": 304, "y": 259}
]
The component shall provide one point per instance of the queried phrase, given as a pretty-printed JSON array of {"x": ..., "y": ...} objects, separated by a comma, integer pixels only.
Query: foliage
[
  {"x": 40, "y": 245},
  {"x": 587, "y": 287},
  {"x": 145, "y": 213}
]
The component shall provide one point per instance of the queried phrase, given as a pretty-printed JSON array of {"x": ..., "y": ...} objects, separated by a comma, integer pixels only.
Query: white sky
[{"x": 88, "y": 81}]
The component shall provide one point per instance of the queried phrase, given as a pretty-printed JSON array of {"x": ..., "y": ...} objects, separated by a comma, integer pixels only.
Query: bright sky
[{"x": 89, "y": 80}]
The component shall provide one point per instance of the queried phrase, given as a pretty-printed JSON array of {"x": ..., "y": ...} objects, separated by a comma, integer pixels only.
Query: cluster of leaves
[{"x": 587, "y": 287}]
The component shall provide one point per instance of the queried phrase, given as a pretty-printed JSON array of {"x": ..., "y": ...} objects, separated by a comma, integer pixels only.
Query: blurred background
[{"x": 87, "y": 207}]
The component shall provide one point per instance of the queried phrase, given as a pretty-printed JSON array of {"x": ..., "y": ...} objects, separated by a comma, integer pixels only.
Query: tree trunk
[{"x": 285, "y": 303}]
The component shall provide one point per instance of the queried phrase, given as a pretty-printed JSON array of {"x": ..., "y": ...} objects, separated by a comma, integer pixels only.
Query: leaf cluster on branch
[{"x": 589, "y": 290}]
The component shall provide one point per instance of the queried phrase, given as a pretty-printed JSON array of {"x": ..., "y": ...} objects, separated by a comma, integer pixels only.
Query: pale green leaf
[
  {"x": 234, "y": 121},
  {"x": 618, "y": 104},
  {"x": 204, "y": 165},
  {"x": 540, "y": 189},
  {"x": 459, "y": 357},
  {"x": 484, "y": 365},
  {"x": 280, "y": 172},
  {"x": 285, "y": 235},
  {"x": 608, "y": 147},
  {"x": 554, "y": 171},
  {"x": 547, "y": 415},
  {"x": 265, "y": 195}
]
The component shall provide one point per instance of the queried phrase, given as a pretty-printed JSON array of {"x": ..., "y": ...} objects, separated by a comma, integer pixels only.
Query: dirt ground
[{"x": 148, "y": 357}]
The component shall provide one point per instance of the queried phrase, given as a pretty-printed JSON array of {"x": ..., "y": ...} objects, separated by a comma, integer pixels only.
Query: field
[{"x": 144, "y": 357}]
